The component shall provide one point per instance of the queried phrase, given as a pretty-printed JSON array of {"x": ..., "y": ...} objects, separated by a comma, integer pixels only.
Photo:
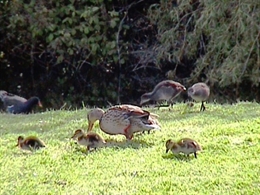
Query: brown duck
[
  {"x": 165, "y": 90},
  {"x": 123, "y": 119}
]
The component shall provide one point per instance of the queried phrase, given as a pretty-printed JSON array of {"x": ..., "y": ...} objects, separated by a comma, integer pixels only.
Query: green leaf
[
  {"x": 113, "y": 23},
  {"x": 60, "y": 59},
  {"x": 50, "y": 38},
  {"x": 94, "y": 9},
  {"x": 70, "y": 51}
]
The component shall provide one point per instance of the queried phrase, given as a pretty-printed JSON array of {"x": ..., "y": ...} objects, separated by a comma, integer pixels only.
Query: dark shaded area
[{"x": 28, "y": 71}]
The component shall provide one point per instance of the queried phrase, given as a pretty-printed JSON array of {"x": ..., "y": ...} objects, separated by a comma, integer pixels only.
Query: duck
[
  {"x": 90, "y": 139},
  {"x": 164, "y": 90},
  {"x": 184, "y": 145},
  {"x": 2, "y": 94},
  {"x": 24, "y": 107},
  {"x": 30, "y": 143},
  {"x": 199, "y": 92},
  {"x": 10, "y": 99},
  {"x": 123, "y": 119}
]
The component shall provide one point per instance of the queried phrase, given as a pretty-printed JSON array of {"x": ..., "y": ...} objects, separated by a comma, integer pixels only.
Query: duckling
[
  {"x": 30, "y": 143},
  {"x": 199, "y": 92},
  {"x": 185, "y": 145},
  {"x": 91, "y": 139}
]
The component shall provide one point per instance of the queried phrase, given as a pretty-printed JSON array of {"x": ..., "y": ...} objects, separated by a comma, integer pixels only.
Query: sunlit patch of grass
[{"x": 229, "y": 162}]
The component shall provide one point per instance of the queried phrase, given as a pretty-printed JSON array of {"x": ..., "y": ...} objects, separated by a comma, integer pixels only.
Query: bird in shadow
[{"x": 15, "y": 104}]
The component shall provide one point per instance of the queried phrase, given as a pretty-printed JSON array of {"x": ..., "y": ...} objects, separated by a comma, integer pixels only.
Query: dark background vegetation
[{"x": 99, "y": 52}]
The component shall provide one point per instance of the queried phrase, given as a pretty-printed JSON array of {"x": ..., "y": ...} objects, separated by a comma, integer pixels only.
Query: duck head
[
  {"x": 20, "y": 140},
  {"x": 78, "y": 133},
  {"x": 3, "y": 94},
  {"x": 170, "y": 144},
  {"x": 145, "y": 98},
  {"x": 93, "y": 116}
]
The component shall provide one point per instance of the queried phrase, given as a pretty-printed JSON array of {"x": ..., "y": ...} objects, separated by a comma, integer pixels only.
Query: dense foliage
[{"x": 100, "y": 52}]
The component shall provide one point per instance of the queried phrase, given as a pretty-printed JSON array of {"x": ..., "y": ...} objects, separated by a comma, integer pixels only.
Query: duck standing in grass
[
  {"x": 90, "y": 140},
  {"x": 16, "y": 105},
  {"x": 123, "y": 119},
  {"x": 9, "y": 99},
  {"x": 199, "y": 92},
  {"x": 30, "y": 143},
  {"x": 165, "y": 90},
  {"x": 25, "y": 107},
  {"x": 185, "y": 145}
]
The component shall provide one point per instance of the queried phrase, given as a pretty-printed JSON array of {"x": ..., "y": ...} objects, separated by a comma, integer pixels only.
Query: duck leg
[
  {"x": 90, "y": 127},
  {"x": 202, "y": 108},
  {"x": 170, "y": 103},
  {"x": 195, "y": 154},
  {"x": 128, "y": 135}
]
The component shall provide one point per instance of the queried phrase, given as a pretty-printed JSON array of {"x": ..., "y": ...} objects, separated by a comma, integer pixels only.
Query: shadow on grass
[
  {"x": 134, "y": 144},
  {"x": 20, "y": 152},
  {"x": 179, "y": 157},
  {"x": 111, "y": 143}
]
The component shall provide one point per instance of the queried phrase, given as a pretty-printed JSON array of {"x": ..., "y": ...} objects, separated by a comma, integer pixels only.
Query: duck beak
[
  {"x": 40, "y": 104},
  {"x": 167, "y": 150}
]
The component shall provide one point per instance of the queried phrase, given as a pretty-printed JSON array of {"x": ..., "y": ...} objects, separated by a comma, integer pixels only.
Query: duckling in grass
[
  {"x": 30, "y": 143},
  {"x": 91, "y": 139},
  {"x": 185, "y": 145}
]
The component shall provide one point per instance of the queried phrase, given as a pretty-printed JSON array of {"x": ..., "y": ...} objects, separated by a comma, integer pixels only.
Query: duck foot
[{"x": 202, "y": 108}]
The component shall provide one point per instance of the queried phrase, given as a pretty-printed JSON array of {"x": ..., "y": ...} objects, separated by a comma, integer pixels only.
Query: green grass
[{"x": 229, "y": 163}]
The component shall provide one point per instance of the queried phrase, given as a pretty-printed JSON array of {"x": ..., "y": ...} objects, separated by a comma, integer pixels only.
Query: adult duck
[
  {"x": 10, "y": 99},
  {"x": 123, "y": 119},
  {"x": 164, "y": 90},
  {"x": 24, "y": 107}
]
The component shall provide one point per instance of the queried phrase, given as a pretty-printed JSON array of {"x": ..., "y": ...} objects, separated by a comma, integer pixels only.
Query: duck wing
[
  {"x": 117, "y": 119},
  {"x": 114, "y": 121},
  {"x": 11, "y": 99},
  {"x": 131, "y": 111},
  {"x": 190, "y": 143}
]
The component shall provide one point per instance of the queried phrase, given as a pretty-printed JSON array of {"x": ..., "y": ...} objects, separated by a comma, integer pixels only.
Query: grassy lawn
[{"x": 229, "y": 163}]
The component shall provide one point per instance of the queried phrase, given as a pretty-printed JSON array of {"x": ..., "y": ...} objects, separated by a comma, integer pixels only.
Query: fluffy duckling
[
  {"x": 185, "y": 145},
  {"x": 30, "y": 143},
  {"x": 91, "y": 139},
  {"x": 199, "y": 92}
]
